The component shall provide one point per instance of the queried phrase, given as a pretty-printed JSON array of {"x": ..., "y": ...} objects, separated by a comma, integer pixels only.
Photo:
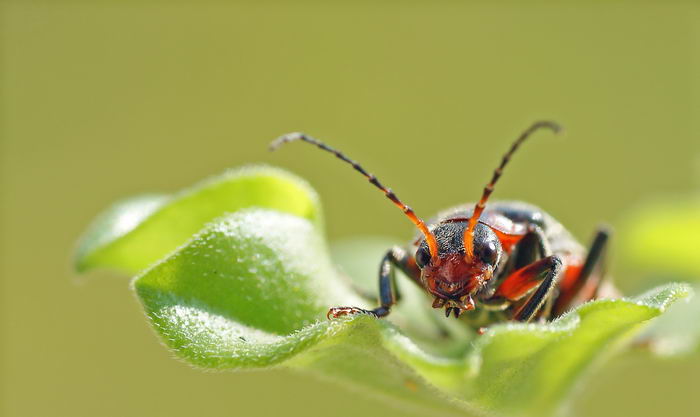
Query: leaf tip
[{"x": 661, "y": 298}]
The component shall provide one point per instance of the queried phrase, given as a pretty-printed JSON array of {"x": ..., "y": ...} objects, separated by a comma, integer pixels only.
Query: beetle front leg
[
  {"x": 542, "y": 275},
  {"x": 388, "y": 293},
  {"x": 530, "y": 248}
]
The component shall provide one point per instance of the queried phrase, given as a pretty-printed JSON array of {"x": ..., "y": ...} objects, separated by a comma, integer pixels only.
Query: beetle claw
[{"x": 335, "y": 312}]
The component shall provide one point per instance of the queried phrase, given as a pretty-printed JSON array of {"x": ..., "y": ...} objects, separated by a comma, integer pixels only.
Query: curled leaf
[
  {"x": 136, "y": 233},
  {"x": 241, "y": 278},
  {"x": 663, "y": 237},
  {"x": 252, "y": 289}
]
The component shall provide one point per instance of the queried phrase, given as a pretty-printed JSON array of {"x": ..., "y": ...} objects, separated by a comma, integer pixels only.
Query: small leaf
[
  {"x": 251, "y": 291},
  {"x": 138, "y": 232},
  {"x": 678, "y": 331},
  {"x": 664, "y": 237},
  {"x": 662, "y": 240},
  {"x": 117, "y": 221}
]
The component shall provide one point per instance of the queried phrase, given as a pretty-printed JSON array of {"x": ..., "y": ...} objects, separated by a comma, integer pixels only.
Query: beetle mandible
[{"x": 510, "y": 259}]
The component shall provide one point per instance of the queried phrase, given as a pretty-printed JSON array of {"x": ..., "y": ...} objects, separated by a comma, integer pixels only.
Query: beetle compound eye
[
  {"x": 422, "y": 257},
  {"x": 488, "y": 253}
]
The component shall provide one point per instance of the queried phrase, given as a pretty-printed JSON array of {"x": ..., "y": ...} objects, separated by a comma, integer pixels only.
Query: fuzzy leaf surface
[
  {"x": 251, "y": 291},
  {"x": 137, "y": 232}
]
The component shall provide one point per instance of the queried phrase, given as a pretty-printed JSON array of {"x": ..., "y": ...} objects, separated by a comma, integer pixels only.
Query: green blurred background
[{"x": 105, "y": 100}]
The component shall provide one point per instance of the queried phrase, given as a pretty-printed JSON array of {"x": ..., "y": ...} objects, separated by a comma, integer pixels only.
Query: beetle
[{"x": 504, "y": 261}]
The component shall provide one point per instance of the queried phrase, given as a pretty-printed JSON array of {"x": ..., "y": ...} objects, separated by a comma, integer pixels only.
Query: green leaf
[
  {"x": 678, "y": 331},
  {"x": 241, "y": 278},
  {"x": 265, "y": 269},
  {"x": 663, "y": 237},
  {"x": 252, "y": 288},
  {"x": 528, "y": 369},
  {"x": 138, "y": 232}
]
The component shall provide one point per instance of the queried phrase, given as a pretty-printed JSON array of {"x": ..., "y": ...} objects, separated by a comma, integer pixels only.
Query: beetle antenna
[
  {"x": 479, "y": 208},
  {"x": 420, "y": 224}
]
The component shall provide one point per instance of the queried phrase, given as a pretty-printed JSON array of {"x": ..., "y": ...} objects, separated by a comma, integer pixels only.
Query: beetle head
[{"x": 454, "y": 276}]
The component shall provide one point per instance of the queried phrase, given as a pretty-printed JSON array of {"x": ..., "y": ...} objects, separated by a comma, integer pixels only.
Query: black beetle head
[{"x": 454, "y": 277}]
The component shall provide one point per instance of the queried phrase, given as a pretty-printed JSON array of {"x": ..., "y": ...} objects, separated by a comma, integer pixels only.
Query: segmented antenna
[
  {"x": 479, "y": 208},
  {"x": 420, "y": 224}
]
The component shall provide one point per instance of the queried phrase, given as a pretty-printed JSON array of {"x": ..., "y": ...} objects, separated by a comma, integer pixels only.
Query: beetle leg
[
  {"x": 388, "y": 293},
  {"x": 542, "y": 275},
  {"x": 541, "y": 295},
  {"x": 530, "y": 248},
  {"x": 570, "y": 289},
  {"x": 519, "y": 283}
]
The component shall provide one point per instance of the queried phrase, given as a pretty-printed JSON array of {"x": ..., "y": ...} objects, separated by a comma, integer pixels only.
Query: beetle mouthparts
[
  {"x": 465, "y": 303},
  {"x": 439, "y": 302}
]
